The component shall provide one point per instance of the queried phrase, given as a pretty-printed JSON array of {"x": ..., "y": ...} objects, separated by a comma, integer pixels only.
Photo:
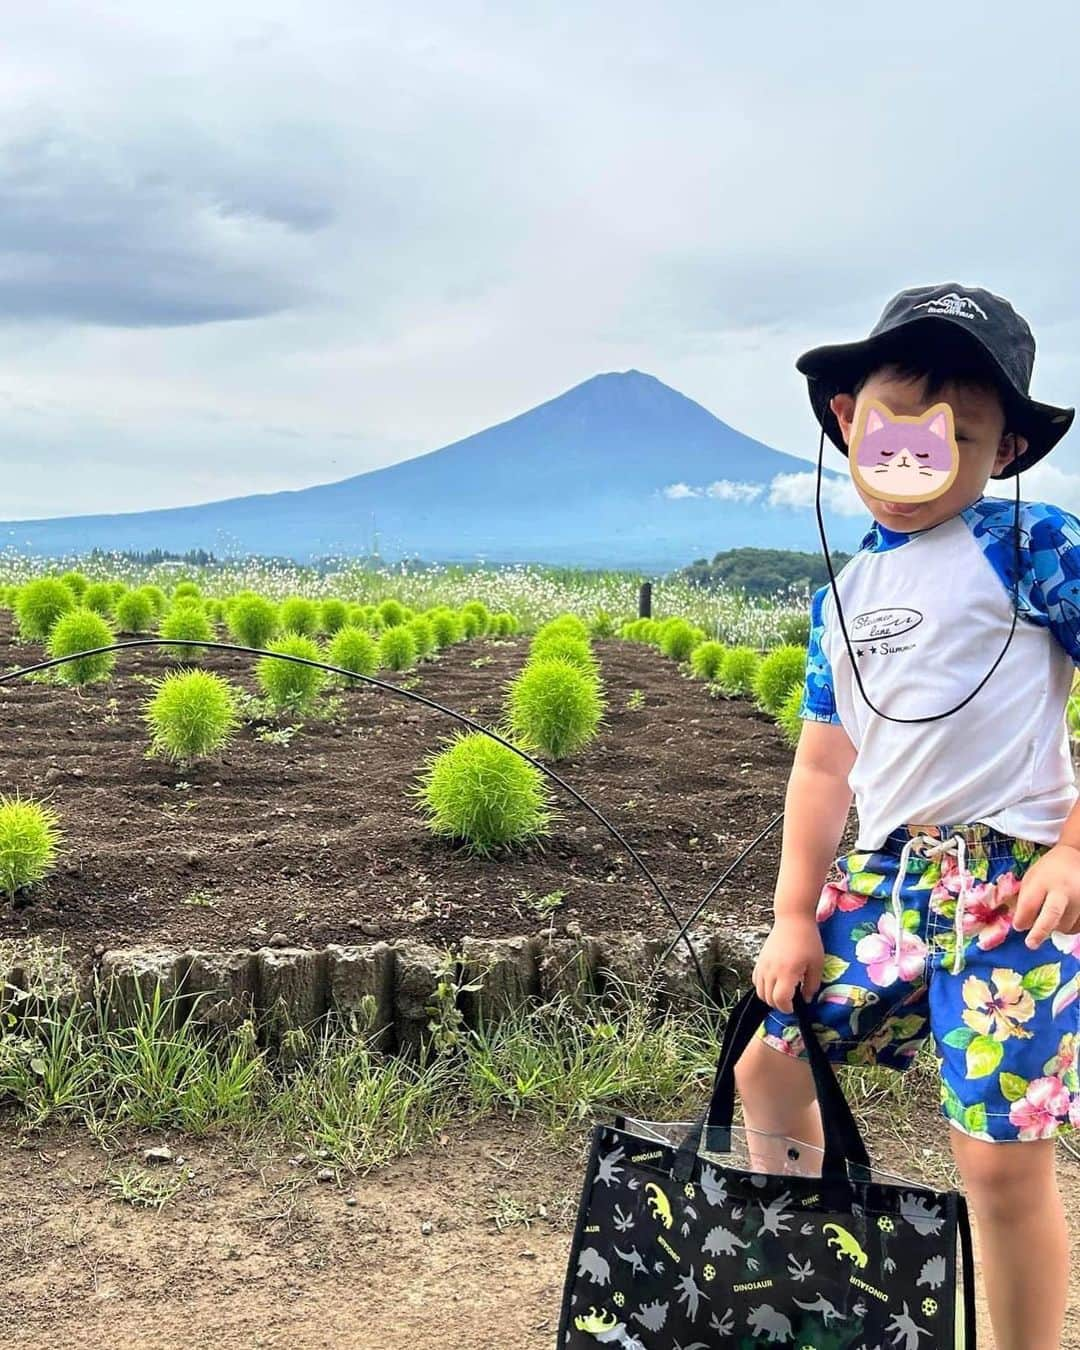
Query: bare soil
[
  {"x": 317, "y": 839},
  {"x": 253, "y": 1252}
]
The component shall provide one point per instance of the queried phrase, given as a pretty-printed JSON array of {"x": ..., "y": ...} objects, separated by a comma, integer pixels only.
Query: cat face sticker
[{"x": 904, "y": 459}]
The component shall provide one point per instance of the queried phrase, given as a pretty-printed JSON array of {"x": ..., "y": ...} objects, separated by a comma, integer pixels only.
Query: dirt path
[{"x": 258, "y": 1254}]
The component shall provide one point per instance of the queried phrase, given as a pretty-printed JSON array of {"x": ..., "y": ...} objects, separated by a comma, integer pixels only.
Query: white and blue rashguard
[{"x": 927, "y": 614}]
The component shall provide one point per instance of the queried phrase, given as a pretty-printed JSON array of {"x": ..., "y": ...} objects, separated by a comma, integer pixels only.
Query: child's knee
[{"x": 1004, "y": 1176}]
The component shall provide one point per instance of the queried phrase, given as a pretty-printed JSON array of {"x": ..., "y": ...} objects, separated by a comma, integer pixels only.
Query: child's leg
[
  {"x": 777, "y": 1094},
  {"x": 1023, "y": 1239}
]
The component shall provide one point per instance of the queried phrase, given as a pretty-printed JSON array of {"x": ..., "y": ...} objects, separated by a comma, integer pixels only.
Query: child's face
[{"x": 980, "y": 437}]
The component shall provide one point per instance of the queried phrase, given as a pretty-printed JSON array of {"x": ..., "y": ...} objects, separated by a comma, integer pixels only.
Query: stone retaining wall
[{"x": 390, "y": 986}]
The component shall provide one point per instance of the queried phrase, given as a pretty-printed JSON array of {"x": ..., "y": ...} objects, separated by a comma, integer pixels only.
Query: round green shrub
[
  {"x": 397, "y": 648},
  {"x": 359, "y": 616},
  {"x": 705, "y": 659},
  {"x": 186, "y": 588},
  {"x": 446, "y": 626},
  {"x": 423, "y": 635},
  {"x": 299, "y": 615},
  {"x": 504, "y": 624},
  {"x": 39, "y": 604},
  {"x": 215, "y": 611},
  {"x": 253, "y": 620},
  {"x": 134, "y": 612},
  {"x": 482, "y": 613},
  {"x": 554, "y": 707},
  {"x": 779, "y": 670},
  {"x": 76, "y": 583},
  {"x": 564, "y": 647},
  {"x": 186, "y": 623},
  {"x": 678, "y": 639},
  {"x": 29, "y": 843},
  {"x": 471, "y": 623},
  {"x": 192, "y": 715},
  {"x": 286, "y": 683},
  {"x": 738, "y": 670},
  {"x": 481, "y": 794},
  {"x": 652, "y": 630},
  {"x": 7, "y": 597},
  {"x": 333, "y": 616},
  {"x": 602, "y": 625},
  {"x": 564, "y": 623},
  {"x": 98, "y": 597},
  {"x": 788, "y": 718},
  {"x": 795, "y": 629},
  {"x": 353, "y": 648},
  {"x": 391, "y": 612},
  {"x": 117, "y": 588},
  {"x": 157, "y": 598},
  {"x": 81, "y": 630}
]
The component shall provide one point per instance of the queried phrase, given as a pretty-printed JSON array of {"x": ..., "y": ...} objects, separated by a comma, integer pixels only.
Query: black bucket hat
[{"x": 986, "y": 323}]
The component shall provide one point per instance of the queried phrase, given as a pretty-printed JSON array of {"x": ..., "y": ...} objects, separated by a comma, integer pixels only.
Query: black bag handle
[{"x": 845, "y": 1157}]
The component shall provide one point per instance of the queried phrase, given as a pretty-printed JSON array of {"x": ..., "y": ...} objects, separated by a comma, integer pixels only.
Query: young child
[{"x": 958, "y": 914}]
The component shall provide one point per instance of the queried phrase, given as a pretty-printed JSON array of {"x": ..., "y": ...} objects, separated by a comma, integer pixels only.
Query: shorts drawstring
[{"x": 935, "y": 848}]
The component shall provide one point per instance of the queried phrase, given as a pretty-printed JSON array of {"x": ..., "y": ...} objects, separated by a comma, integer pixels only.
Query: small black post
[{"x": 645, "y": 600}]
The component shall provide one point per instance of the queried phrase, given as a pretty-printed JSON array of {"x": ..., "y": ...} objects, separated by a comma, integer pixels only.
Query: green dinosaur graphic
[
  {"x": 659, "y": 1204},
  {"x": 845, "y": 1245},
  {"x": 596, "y": 1323}
]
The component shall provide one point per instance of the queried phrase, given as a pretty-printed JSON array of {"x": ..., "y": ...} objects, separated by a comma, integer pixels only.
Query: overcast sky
[{"x": 301, "y": 241}]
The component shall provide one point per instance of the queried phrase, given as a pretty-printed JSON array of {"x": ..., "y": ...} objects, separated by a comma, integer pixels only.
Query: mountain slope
[{"x": 580, "y": 479}]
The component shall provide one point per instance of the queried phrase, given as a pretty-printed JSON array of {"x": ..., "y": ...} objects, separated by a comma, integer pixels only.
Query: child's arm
[{"x": 815, "y": 811}]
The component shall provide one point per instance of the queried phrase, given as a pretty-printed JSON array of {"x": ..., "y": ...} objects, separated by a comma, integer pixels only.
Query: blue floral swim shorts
[{"x": 919, "y": 941}]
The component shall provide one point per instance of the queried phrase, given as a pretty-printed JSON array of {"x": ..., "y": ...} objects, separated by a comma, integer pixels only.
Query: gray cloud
[{"x": 255, "y": 249}]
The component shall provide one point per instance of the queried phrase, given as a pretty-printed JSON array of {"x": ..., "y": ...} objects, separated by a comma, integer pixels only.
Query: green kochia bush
[
  {"x": 29, "y": 842},
  {"x": 354, "y": 649},
  {"x": 480, "y": 793},
  {"x": 564, "y": 647},
  {"x": 778, "y": 672},
  {"x": 678, "y": 639},
  {"x": 737, "y": 670},
  {"x": 482, "y": 613},
  {"x": 472, "y": 625},
  {"x": 423, "y": 635},
  {"x": 287, "y": 684},
  {"x": 602, "y": 625},
  {"x": 299, "y": 615},
  {"x": 788, "y": 718},
  {"x": 253, "y": 620},
  {"x": 564, "y": 623},
  {"x": 157, "y": 598},
  {"x": 134, "y": 612},
  {"x": 98, "y": 597},
  {"x": 705, "y": 659},
  {"x": 82, "y": 630},
  {"x": 446, "y": 626},
  {"x": 186, "y": 622},
  {"x": 187, "y": 589},
  {"x": 76, "y": 583},
  {"x": 503, "y": 625},
  {"x": 333, "y": 616},
  {"x": 397, "y": 648},
  {"x": 554, "y": 707},
  {"x": 39, "y": 604},
  {"x": 391, "y": 612},
  {"x": 192, "y": 715}
]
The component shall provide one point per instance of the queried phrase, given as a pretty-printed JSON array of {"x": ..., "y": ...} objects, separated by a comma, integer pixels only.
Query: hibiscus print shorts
[{"x": 919, "y": 942}]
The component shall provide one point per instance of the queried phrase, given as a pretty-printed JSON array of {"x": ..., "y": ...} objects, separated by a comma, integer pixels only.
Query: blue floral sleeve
[
  {"x": 1054, "y": 537},
  {"x": 819, "y": 697}
]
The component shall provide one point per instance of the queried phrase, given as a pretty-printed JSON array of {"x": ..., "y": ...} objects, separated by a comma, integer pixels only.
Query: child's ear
[
  {"x": 1012, "y": 447},
  {"x": 843, "y": 406}
]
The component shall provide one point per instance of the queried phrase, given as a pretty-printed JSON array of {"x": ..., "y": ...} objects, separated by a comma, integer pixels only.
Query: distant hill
[
  {"x": 763, "y": 571},
  {"x": 615, "y": 472}
]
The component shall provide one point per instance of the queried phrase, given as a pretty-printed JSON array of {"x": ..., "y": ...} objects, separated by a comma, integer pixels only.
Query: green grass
[{"x": 328, "y": 1094}]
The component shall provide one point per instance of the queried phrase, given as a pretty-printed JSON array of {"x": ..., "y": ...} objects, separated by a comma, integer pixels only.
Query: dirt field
[
  {"x": 316, "y": 839},
  {"x": 258, "y": 1254}
]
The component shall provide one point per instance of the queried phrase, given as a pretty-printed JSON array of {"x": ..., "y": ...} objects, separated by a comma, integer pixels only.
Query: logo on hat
[{"x": 955, "y": 306}]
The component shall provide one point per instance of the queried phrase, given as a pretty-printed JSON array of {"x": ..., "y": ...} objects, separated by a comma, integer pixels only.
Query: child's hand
[
  {"x": 792, "y": 955},
  {"x": 1049, "y": 897}
]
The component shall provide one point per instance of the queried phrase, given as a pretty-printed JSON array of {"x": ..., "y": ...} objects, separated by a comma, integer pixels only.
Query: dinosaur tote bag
[{"x": 676, "y": 1248}]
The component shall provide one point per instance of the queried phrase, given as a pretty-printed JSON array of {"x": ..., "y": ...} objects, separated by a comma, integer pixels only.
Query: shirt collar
[{"x": 879, "y": 538}]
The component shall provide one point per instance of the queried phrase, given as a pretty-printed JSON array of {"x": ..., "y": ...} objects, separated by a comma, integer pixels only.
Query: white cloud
[
  {"x": 796, "y": 490},
  {"x": 725, "y": 490},
  {"x": 677, "y": 492},
  {"x": 1044, "y": 483}
]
